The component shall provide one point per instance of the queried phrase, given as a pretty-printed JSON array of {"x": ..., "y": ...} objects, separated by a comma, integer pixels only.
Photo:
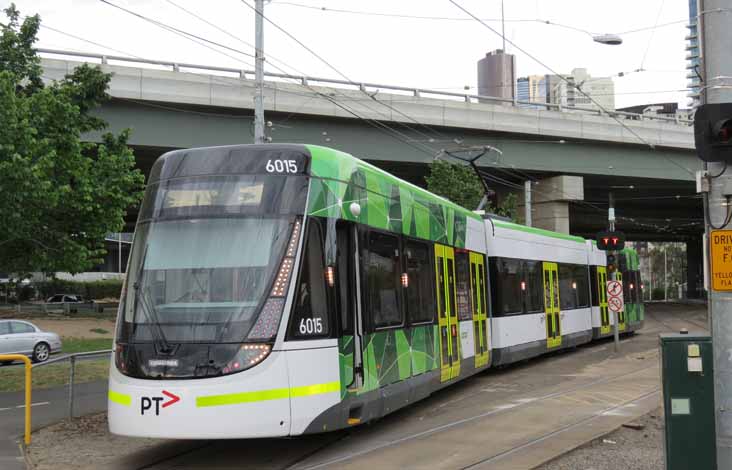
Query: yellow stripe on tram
[
  {"x": 264, "y": 395},
  {"x": 120, "y": 398}
]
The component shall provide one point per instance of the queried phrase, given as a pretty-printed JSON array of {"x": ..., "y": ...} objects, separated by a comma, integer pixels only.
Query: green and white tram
[{"x": 277, "y": 290}]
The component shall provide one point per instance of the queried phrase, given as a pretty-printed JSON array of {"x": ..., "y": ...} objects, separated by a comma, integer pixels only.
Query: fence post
[
  {"x": 72, "y": 359},
  {"x": 17, "y": 309}
]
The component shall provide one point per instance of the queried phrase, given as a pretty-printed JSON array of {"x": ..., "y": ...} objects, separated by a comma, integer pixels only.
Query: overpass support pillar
[
  {"x": 550, "y": 200},
  {"x": 694, "y": 268}
]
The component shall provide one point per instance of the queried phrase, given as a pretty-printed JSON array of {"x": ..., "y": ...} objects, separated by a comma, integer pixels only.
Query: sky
[{"x": 426, "y": 53}]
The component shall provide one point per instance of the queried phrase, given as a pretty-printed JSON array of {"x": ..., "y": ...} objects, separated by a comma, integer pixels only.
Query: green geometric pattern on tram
[
  {"x": 345, "y": 362},
  {"x": 423, "y": 349},
  {"x": 386, "y": 202},
  {"x": 404, "y": 357}
]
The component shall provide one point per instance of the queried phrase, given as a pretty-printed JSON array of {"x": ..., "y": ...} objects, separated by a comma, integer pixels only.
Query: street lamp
[{"x": 608, "y": 39}]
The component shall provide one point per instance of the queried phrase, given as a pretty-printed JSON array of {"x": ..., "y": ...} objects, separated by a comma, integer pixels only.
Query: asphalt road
[{"x": 48, "y": 406}]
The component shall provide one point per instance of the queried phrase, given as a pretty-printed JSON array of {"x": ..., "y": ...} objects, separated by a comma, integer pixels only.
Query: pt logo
[{"x": 146, "y": 403}]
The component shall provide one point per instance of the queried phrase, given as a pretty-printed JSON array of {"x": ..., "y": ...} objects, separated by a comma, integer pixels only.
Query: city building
[
  {"x": 693, "y": 56},
  {"x": 566, "y": 92},
  {"x": 532, "y": 88},
  {"x": 497, "y": 76}
]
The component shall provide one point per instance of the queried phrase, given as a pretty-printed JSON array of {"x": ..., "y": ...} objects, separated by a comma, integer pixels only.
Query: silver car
[{"x": 22, "y": 337}]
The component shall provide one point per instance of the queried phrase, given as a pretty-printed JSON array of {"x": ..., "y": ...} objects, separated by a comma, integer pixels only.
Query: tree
[
  {"x": 458, "y": 183},
  {"x": 59, "y": 195},
  {"x": 461, "y": 185}
]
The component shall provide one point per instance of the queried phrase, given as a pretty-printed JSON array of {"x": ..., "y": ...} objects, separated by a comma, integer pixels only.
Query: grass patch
[
  {"x": 75, "y": 345},
  {"x": 100, "y": 331},
  {"x": 12, "y": 379}
]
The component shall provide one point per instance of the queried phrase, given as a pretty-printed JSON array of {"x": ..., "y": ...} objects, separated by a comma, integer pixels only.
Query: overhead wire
[
  {"x": 653, "y": 32},
  {"x": 537, "y": 60},
  {"x": 336, "y": 70},
  {"x": 494, "y": 178},
  {"x": 200, "y": 40}
]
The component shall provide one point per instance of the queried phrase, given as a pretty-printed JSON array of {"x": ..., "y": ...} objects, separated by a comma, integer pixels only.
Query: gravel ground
[
  {"x": 84, "y": 444},
  {"x": 626, "y": 449}
]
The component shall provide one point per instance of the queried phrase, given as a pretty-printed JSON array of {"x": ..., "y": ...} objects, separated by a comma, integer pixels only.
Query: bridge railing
[{"x": 306, "y": 80}]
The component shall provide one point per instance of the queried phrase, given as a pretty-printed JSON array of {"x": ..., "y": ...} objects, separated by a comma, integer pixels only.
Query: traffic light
[
  {"x": 610, "y": 241},
  {"x": 611, "y": 266},
  {"x": 713, "y": 132}
]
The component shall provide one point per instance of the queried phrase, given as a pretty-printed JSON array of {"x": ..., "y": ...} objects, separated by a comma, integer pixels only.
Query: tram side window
[
  {"x": 345, "y": 273},
  {"x": 595, "y": 295},
  {"x": 462, "y": 287},
  {"x": 580, "y": 285},
  {"x": 567, "y": 295},
  {"x": 506, "y": 288},
  {"x": 310, "y": 314},
  {"x": 421, "y": 287},
  {"x": 534, "y": 273},
  {"x": 383, "y": 280}
]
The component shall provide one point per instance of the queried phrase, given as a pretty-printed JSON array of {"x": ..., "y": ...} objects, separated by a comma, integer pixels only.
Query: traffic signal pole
[
  {"x": 716, "y": 44},
  {"x": 259, "y": 137},
  {"x": 613, "y": 276}
]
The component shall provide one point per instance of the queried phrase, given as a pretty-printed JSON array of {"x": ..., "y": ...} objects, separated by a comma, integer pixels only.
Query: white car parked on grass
[{"x": 22, "y": 337}]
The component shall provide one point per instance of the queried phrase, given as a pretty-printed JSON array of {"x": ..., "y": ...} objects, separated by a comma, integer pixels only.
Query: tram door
[
  {"x": 551, "y": 305},
  {"x": 602, "y": 293},
  {"x": 621, "y": 314},
  {"x": 447, "y": 313},
  {"x": 477, "y": 287}
]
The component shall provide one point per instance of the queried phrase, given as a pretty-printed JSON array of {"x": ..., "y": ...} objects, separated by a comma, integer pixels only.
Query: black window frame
[
  {"x": 333, "y": 327},
  {"x": 364, "y": 243},
  {"x": 431, "y": 275}
]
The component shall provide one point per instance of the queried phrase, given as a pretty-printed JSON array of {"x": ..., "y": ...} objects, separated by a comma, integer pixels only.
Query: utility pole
[
  {"x": 527, "y": 203},
  {"x": 665, "y": 272},
  {"x": 259, "y": 137},
  {"x": 613, "y": 274},
  {"x": 716, "y": 42}
]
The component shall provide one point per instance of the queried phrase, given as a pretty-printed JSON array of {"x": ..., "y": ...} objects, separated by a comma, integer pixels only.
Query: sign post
[{"x": 615, "y": 301}]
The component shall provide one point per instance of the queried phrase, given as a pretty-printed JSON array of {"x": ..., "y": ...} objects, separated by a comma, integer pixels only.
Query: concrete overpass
[{"x": 647, "y": 161}]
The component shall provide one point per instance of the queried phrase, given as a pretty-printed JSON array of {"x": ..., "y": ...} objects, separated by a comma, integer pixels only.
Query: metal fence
[
  {"x": 306, "y": 81},
  {"x": 72, "y": 358},
  {"x": 66, "y": 308}
]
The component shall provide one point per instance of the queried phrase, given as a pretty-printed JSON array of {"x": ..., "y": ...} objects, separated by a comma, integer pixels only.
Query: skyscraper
[
  {"x": 497, "y": 75},
  {"x": 692, "y": 56},
  {"x": 564, "y": 90}
]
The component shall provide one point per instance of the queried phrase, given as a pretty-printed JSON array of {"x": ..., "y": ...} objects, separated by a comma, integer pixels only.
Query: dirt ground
[
  {"x": 626, "y": 448},
  {"x": 78, "y": 327},
  {"x": 51, "y": 445}
]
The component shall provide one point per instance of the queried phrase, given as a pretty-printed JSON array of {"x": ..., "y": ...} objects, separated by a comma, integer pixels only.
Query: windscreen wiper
[{"x": 150, "y": 312}]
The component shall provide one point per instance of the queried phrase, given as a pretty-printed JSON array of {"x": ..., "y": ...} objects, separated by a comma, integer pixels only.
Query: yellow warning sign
[{"x": 720, "y": 247}]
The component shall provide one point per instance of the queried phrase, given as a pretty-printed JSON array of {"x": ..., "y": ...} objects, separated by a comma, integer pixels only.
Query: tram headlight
[{"x": 249, "y": 355}]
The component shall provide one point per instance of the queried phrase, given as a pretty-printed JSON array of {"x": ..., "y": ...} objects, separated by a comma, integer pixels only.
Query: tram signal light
[
  {"x": 610, "y": 241},
  {"x": 611, "y": 263},
  {"x": 713, "y": 132}
]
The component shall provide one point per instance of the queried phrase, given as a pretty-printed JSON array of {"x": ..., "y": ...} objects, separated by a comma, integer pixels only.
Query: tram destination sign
[{"x": 720, "y": 250}]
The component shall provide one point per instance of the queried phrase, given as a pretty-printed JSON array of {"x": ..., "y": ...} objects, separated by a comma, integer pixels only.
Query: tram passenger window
[
  {"x": 595, "y": 296},
  {"x": 383, "y": 280},
  {"x": 567, "y": 287},
  {"x": 580, "y": 285},
  {"x": 462, "y": 273},
  {"x": 421, "y": 287},
  {"x": 534, "y": 286},
  {"x": 310, "y": 314},
  {"x": 345, "y": 273},
  {"x": 506, "y": 288}
]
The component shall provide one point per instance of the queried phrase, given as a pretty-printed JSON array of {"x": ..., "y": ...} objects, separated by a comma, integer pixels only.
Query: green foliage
[
  {"x": 508, "y": 207},
  {"x": 461, "y": 185},
  {"x": 105, "y": 289},
  {"x": 458, "y": 183},
  {"x": 60, "y": 195}
]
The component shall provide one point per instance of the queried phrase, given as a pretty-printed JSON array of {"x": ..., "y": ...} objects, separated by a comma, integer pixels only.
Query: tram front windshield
[{"x": 205, "y": 254}]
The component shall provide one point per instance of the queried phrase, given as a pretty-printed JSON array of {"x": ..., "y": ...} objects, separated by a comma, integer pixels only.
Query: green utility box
[{"x": 688, "y": 401}]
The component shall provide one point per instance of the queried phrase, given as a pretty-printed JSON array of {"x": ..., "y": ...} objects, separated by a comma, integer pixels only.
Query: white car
[{"x": 22, "y": 337}]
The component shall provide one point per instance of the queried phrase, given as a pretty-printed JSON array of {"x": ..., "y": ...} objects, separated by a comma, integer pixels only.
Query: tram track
[
  {"x": 493, "y": 412},
  {"x": 506, "y": 453}
]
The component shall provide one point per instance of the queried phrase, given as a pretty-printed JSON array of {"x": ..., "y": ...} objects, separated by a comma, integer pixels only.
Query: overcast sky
[{"x": 434, "y": 53}]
